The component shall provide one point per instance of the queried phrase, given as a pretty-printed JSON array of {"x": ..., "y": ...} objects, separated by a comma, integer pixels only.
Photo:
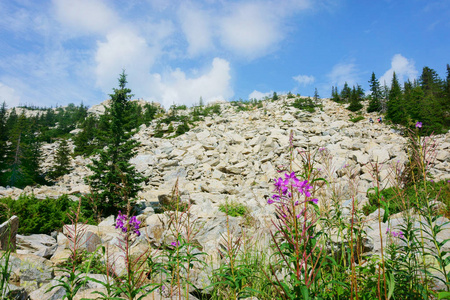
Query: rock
[
  {"x": 143, "y": 161},
  {"x": 88, "y": 241},
  {"x": 109, "y": 221},
  {"x": 380, "y": 155},
  {"x": 32, "y": 271},
  {"x": 37, "y": 244},
  {"x": 8, "y": 231}
]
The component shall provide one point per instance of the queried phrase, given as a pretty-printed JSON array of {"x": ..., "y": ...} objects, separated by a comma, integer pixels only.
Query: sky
[{"x": 56, "y": 52}]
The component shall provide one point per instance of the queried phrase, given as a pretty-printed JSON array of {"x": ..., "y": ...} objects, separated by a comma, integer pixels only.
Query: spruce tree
[
  {"x": 23, "y": 155},
  {"x": 275, "y": 96},
  {"x": 62, "y": 160},
  {"x": 115, "y": 180},
  {"x": 395, "y": 107},
  {"x": 335, "y": 94},
  {"x": 316, "y": 96},
  {"x": 355, "y": 99},
  {"x": 84, "y": 141},
  {"x": 375, "y": 96},
  {"x": 346, "y": 93}
]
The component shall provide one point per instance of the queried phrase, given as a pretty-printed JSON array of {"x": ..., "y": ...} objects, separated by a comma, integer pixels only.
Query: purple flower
[
  {"x": 122, "y": 223},
  {"x": 419, "y": 125},
  {"x": 315, "y": 201},
  {"x": 398, "y": 234},
  {"x": 175, "y": 244}
]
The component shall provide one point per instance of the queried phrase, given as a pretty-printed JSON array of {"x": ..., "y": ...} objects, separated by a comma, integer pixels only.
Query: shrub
[
  {"x": 304, "y": 104},
  {"x": 41, "y": 215},
  {"x": 356, "y": 119},
  {"x": 234, "y": 209}
]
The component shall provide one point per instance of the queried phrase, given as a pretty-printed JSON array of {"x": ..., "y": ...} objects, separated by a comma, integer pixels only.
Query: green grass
[{"x": 415, "y": 195}]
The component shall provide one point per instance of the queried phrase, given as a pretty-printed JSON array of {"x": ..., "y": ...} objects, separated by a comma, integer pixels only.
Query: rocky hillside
[
  {"x": 235, "y": 155},
  {"x": 230, "y": 158}
]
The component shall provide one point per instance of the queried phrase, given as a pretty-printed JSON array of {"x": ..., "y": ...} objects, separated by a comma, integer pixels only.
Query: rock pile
[{"x": 231, "y": 158}]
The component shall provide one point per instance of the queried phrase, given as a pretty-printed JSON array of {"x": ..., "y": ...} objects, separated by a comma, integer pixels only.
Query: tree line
[
  {"x": 426, "y": 99},
  {"x": 22, "y": 136}
]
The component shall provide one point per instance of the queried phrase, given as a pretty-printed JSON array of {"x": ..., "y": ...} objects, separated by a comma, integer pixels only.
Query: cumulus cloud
[
  {"x": 123, "y": 49},
  {"x": 92, "y": 16},
  {"x": 259, "y": 95},
  {"x": 304, "y": 79},
  {"x": 212, "y": 85},
  {"x": 250, "y": 30},
  {"x": 342, "y": 73},
  {"x": 196, "y": 25},
  {"x": 9, "y": 96},
  {"x": 404, "y": 69}
]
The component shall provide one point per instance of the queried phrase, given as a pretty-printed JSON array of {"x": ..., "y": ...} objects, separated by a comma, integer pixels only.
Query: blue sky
[{"x": 72, "y": 51}]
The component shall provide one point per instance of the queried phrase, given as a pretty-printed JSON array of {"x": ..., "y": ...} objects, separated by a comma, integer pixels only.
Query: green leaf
[
  {"x": 391, "y": 285},
  {"x": 444, "y": 295}
]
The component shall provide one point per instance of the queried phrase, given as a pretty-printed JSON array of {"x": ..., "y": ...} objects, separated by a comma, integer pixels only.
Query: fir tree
[
  {"x": 375, "y": 96},
  {"x": 115, "y": 180},
  {"x": 62, "y": 160}
]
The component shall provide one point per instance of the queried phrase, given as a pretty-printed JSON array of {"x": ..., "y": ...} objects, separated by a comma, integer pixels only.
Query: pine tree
[
  {"x": 62, "y": 160},
  {"x": 115, "y": 180},
  {"x": 375, "y": 96}
]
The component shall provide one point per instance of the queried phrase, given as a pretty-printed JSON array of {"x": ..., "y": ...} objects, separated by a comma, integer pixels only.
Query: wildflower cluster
[
  {"x": 122, "y": 223},
  {"x": 398, "y": 234},
  {"x": 284, "y": 188}
]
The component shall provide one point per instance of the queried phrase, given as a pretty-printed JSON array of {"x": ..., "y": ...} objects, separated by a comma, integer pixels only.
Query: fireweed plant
[
  {"x": 75, "y": 275},
  {"x": 180, "y": 253},
  {"x": 296, "y": 239},
  {"x": 133, "y": 284}
]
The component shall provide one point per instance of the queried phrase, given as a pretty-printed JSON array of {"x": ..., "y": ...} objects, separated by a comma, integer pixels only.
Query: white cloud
[
  {"x": 342, "y": 73},
  {"x": 404, "y": 69},
  {"x": 196, "y": 26},
  {"x": 123, "y": 49},
  {"x": 251, "y": 30},
  {"x": 176, "y": 87},
  {"x": 9, "y": 96},
  {"x": 304, "y": 79},
  {"x": 259, "y": 95},
  {"x": 92, "y": 16}
]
